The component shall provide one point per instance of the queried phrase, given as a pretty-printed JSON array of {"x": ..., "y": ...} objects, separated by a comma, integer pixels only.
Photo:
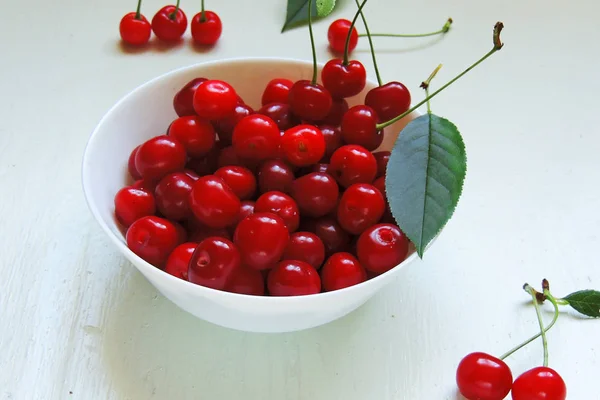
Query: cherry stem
[
  {"x": 138, "y": 12},
  {"x": 497, "y": 46},
  {"x": 364, "y": 20},
  {"x": 174, "y": 13},
  {"x": 425, "y": 85},
  {"x": 312, "y": 43},
  {"x": 347, "y": 45},
  {"x": 444, "y": 29},
  {"x": 202, "y": 15},
  {"x": 532, "y": 292}
]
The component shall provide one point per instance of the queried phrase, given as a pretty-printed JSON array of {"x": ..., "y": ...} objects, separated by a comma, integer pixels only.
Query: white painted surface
[{"x": 77, "y": 317}]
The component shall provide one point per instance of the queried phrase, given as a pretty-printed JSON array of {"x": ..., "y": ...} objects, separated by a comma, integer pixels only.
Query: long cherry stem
[
  {"x": 312, "y": 43},
  {"x": 444, "y": 29},
  {"x": 425, "y": 85},
  {"x": 497, "y": 46},
  {"x": 364, "y": 20},
  {"x": 203, "y": 14},
  {"x": 174, "y": 13},
  {"x": 138, "y": 12},
  {"x": 538, "y": 313},
  {"x": 347, "y": 45}
]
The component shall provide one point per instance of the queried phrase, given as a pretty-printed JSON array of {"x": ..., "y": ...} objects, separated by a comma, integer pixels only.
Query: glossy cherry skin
[
  {"x": 343, "y": 80},
  {"x": 246, "y": 209},
  {"x": 261, "y": 239},
  {"x": 240, "y": 179},
  {"x": 178, "y": 261},
  {"x": 342, "y": 270},
  {"x": 308, "y": 101},
  {"x": 256, "y": 137},
  {"x": 131, "y": 165},
  {"x": 282, "y": 205},
  {"x": 303, "y": 145},
  {"x": 153, "y": 239},
  {"x": 214, "y": 99},
  {"x": 246, "y": 280},
  {"x": 389, "y": 100},
  {"x": 135, "y": 30},
  {"x": 361, "y": 206},
  {"x": 337, "y": 34},
  {"x": 206, "y": 28},
  {"x": 353, "y": 164},
  {"x": 334, "y": 237},
  {"x": 277, "y": 91},
  {"x": 280, "y": 113},
  {"x": 226, "y": 125},
  {"x": 132, "y": 204},
  {"x": 160, "y": 156},
  {"x": 293, "y": 278},
  {"x": 213, "y": 262},
  {"x": 382, "y": 157},
  {"x": 172, "y": 195},
  {"x": 307, "y": 247},
  {"x": 382, "y": 247},
  {"x": 201, "y": 232},
  {"x": 213, "y": 202},
  {"x": 484, "y": 377},
  {"x": 169, "y": 23},
  {"x": 333, "y": 140},
  {"x": 183, "y": 101},
  {"x": 316, "y": 194},
  {"x": 275, "y": 175},
  {"x": 359, "y": 127},
  {"x": 540, "y": 383},
  {"x": 194, "y": 133},
  {"x": 146, "y": 185},
  {"x": 205, "y": 165}
]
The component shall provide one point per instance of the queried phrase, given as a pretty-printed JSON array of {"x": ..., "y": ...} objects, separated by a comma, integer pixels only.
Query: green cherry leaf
[
  {"x": 425, "y": 176},
  {"x": 586, "y": 302},
  {"x": 297, "y": 11}
]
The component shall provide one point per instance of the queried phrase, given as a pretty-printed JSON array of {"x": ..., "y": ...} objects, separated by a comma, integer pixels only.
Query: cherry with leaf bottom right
[{"x": 389, "y": 100}]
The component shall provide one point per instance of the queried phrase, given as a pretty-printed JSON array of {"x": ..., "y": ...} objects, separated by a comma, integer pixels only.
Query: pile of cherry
[{"x": 282, "y": 200}]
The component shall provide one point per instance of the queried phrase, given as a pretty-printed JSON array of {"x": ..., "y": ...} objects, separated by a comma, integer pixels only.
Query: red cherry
[
  {"x": 342, "y": 270},
  {"x": 316, "y": 194},
  {"x": 540, "y": 383},
  {"x": 183, "y": 102},
  {"x": 293, "y": 278},
  {"x": 275, "y": 175},
  {"x": 282, "y": 205},
  {"x": 132, "y": 204},
  {"x": 359, "y": 127},
  {"x": 382, "y": 247},
  {"x": 214, "y": 99},
  {"x": 195, "y": 134},
  {"x": 201, "y": 232},
  {"x": 135, "y": 29},
  {"x": 213, "y": 202},
  {"x": 191, "y": 174},
  {"x": 361, "y": 206},
  {"x": 205, "y": 165},
  {"x": 280, "y": 113},
  {"x": 206, "y": 28},
  {"x": 277, "y": 91},
  {"x": 256, "y": 137},
  {"x": 246, "y": 209},
  {"x": 389, "y": 100},
  {"x": 226, "y": 125},
  {"x": 353, "y": 164},
  {"x": 228, "y": 157},
  {"x": 344, "y": 80},
  {"x": 213, "y": 262},
  {"x": 333, "y": 139},
  {"x": 322, "y": 168},
  {"x": 169, "y": 23},
  {"x": 382, "y": 158},
  {"x": 334, "y": 237},
  {"x": 160, "y": 156},
  {"x": 131, "y": 165},
  {"x": 261, "y": 239},
  {"x": 307, "y": 247},
  {"x": 239, "y": 179},
  {"x": 483, "y": 377},
  {"x": 387, "y": 214},
  {"x": 303, "y": 145},
  {"x": 246, "y": 280},
  {"x": 172, "y": 195},
  {"x": 146, "y": 185},
  {"x": 337, "y": 34},
  {"x": 178, "y": 261},
  {"x": 309, "y": 101},
  {"x": 338, "y": 109},
  {"x": 152, "y": 239}
]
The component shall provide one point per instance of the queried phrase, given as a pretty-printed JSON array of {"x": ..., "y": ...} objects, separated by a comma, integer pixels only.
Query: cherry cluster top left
[{"x": 170, "y": 24}]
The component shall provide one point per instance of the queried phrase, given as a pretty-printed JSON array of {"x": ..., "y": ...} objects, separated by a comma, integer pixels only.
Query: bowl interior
[{"x": 148, "y": 110}]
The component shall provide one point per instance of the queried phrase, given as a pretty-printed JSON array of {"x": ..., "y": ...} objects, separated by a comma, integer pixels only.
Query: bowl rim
[{"x": 204, "y": 291}]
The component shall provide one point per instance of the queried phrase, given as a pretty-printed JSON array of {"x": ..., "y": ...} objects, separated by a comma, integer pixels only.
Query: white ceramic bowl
[{"x": 146, "y": 112}]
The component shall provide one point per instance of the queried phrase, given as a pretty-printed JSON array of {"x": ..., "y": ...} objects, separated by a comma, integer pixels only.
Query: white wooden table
[{"x": 78, "y": 321}]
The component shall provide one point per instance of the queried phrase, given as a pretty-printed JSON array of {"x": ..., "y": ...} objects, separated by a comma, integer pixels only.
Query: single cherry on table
[
  {"x": 169, "y": 23},
  {"x": 206, "y": 27},
  {"x": 134, "y": 28}
]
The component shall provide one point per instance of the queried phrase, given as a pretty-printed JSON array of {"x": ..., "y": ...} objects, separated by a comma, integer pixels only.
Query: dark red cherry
[
  {"x": 344, "y": 80},
  {"x": 309, "y": 101},
  {"x": 389, "y": 100},
  {"x": 183, "y": 102},
  {"x": 280, "y": 113}
]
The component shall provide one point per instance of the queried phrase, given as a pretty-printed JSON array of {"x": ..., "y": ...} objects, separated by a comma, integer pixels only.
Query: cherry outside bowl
[{"x": 146, "y": 112}]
